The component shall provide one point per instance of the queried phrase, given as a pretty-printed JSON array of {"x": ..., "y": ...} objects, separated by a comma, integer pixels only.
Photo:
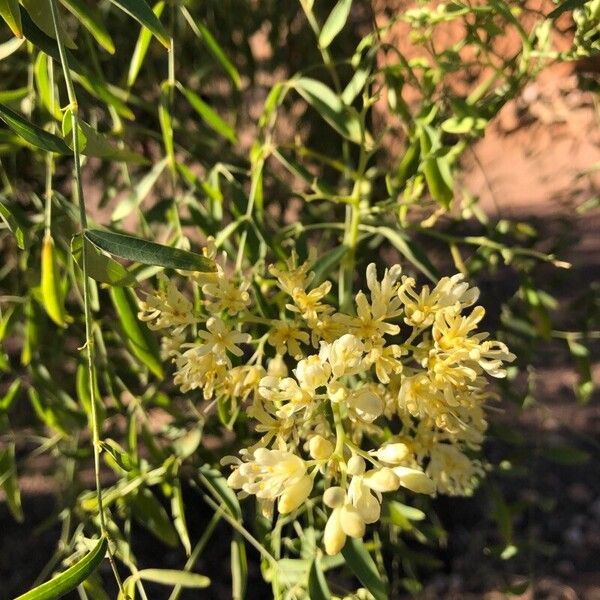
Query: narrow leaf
[
  {"x": 41, "y": 15},
  {"x": 142, "y": 13},
  {"x": 101, "y": 268},
  {"x": 71, "y": 578},
  {"x": 317, "y": 584},
  {"x": 14, "y": 222},
  {"x": 141, "y": 47},
  {"x": 335, "y": 22},
  {"x": 91, "y": 19},
  {"x": 148, "y": 253},
  {"x": 149, "y": 513},
  {"x": 331, "y": 108},
  {"x": 139, "y": 192},
  {"x": 361, "y": 564},
  {"x": 411, "y": 251},
  {"x": 209, "y": 115},
  {"x": 139, "y": 338},
  {"x": 8, "y": 477},
  {"x": 31, "y": 133},
  {"x": 213, "y": 47},
  {"x": 10, "y": 12}
]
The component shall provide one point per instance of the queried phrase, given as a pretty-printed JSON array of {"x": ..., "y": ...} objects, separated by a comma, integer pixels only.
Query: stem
[{"x": 89, "y": 341}]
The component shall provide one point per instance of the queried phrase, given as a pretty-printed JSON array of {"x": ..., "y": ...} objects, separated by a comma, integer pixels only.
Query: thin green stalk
[{"x": 89, "y": 341}]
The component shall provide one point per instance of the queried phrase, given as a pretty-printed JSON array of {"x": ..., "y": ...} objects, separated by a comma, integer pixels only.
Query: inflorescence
[{"x": 353, "y": 404}]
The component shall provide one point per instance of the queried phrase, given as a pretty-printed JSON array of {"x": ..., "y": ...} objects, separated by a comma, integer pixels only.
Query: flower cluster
[{"x": 344, "y": 406}]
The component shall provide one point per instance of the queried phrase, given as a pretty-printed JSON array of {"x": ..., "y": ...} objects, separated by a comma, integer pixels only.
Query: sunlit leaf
[
  {"x": 141, "y": 12},
  {"x": 335, "y": 22}
]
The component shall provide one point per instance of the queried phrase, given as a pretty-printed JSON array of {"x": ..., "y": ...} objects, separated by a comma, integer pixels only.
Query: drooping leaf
[
  {"x": 94, "y": 143},
  {"x": 139, "y": 338},
  {"x": 141, "y": 12},
  {"x": 213, "y": 47},
  {"x": 41, "y": 15},
  {"x": 209, "y": 115},
  {"x": 363, "y": 567},
  {"x": 335, "y": 22},
  {"x": 100, "y": 267},
  {"x": 31, "y": 133},
  {"x": 149, "y": 513},
  {"x": 329, "y": 105},
  {"x": 9, "y": 481},
  {"x": 141, "y": 47},
  {"x": 139, "y": 192},
  {"x": 148, "y": 253},
  {"x": 11, "y": 13},
  {"x": 317, "y": 584},
  {"x": 11, "y": 46},
  {"x": 13, "y": 221},
  {"x": 411, "y": 251},
  {"x": 71, "y": 578},
  {"x": 168, "y": 577},
  {"x": 52, "y": 291},
  {"x": 239, "y": 567},
  {"x": 91, "y": 19}
]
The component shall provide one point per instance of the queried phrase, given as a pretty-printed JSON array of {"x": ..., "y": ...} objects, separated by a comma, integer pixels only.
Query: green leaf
[
  {"x": 71, "y": 578},
  {"x": 566, "y": 6},
  {"x": 93, "y": 143},
  {"x": 239, "y": 567},
  {"x": 166, "y": 123},
  {"x": 323, "y": 266},
  {"x": 10, "y": 395},
  {"x": 139, "y": 338},
  {"x": 213, "y": 47},
  {"x": 149, "y": 513},
  {"x": 565, "y": 455},
  {"x": 141, "y": 47},
  {"x": 411, "y": 251},
  {"x": 41, "y": 15},
  {"x": 10, "y": 12},
  {"x": 142, "y": 13},
  {"x": 209, "y": 115},
  {"x": 14, "y": 222},
  {"x": 45, "y": 87},
  {"x": 317, "y": 584},
  {"x": 342, "y": 118},
  {"x": 139, "y": 192},
  {"x": 32, "y": 133},
  {"x": 179, "y": 520},
  {"x": 101, "y": 268},
  {"x": 91, "y": 19},
  {"x": 11, "y": 46},
  {"x": 436, "y": 171},
  {"x": 217, "y": 485},
  {"x": 9, "y": 481},
  {"x": 335, "y": 22},
  {"x": 361, "y": 564},
  {"x": 148, "y": 253},
  {"x": 164, "y": 577}
]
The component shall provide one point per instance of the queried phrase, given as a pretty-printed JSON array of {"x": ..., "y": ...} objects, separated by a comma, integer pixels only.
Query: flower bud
[
  {"x": 295, "y": 495},
  {"x": 392, "y": 454},
  {"x": 334, "y": 497},
  {"x": 320, "y": 448},
  {"x": 367, "y": 404},
  {"x": 312, "y": 372},
  {"x": 346, "y": 355},
  {"x": 356, "y": 465},
  {"x": 352, "y": 523},
  {"x": 415, "y": 480},
  {"x": 334, "y": 537},
  {"x": 382, "y": 480},
  {"x": 277, "y": 368}
]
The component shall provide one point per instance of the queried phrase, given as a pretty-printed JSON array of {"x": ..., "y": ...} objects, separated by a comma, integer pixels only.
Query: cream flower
[
  {"x": 345, "y": 355},
  {"x": 220, "y": 339},
  {"x": 286, "y": 337},
  {"x": 228, "y": 294},
  {"x": 167, "y": 308}
]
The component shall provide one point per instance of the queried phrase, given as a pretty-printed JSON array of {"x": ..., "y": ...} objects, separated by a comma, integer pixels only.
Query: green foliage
[{"x": 346, "y": 144}]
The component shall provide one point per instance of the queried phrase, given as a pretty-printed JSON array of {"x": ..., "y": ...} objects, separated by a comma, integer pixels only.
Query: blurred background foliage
[{"x": 272, "y": 125}]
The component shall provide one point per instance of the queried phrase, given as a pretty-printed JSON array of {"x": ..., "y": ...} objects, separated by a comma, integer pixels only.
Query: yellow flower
[
  {"x": 287, "y": 337},
  {"x": 345, "y": 355},
  {"x": 220, "y": 339},
  {"x": 452, "y": 471},
  {"x": 197, "y": 370},
  {"x": 229, "y": 295},
  {"x": 385, "y": 303},
  {"x": 308, "y": 304},
  {"x": 167, "y": 308}
]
